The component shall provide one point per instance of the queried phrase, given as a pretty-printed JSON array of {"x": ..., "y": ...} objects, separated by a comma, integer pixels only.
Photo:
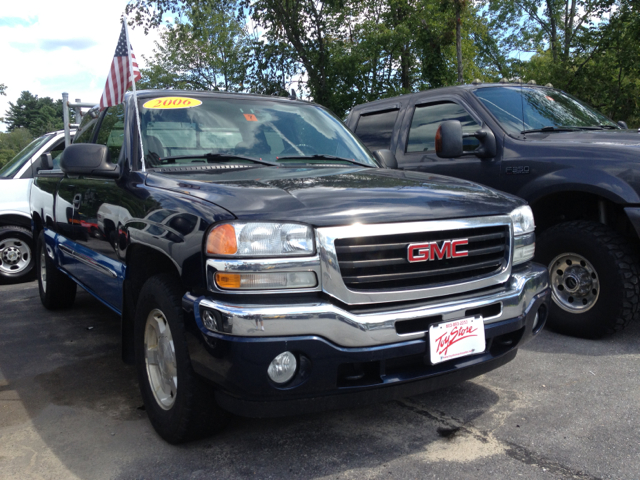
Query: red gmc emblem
[{"x": 423, "y": 252}]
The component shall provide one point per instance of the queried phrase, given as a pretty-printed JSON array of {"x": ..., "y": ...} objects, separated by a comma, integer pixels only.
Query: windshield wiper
[
  {"x": 550, "y": 129},
  {"x": 214, "y": 157},
  {"x": 321, "y": 156}
]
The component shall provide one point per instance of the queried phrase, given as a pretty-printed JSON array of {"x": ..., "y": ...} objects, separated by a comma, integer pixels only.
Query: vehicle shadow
[
  {"x": 65, "y": 393},
  {"x": 626, "y": 342}
]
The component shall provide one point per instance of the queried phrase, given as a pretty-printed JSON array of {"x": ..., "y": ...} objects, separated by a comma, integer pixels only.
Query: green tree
[
  {"x": 11, "y": 143},
  {"x": 3, "y": 89},
  {"x": 38, "y": 115},
  {"x": 203, "y": 49},
  {"x": 337, "y": 52}
]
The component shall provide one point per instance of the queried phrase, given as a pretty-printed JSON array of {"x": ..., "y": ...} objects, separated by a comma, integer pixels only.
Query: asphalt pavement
[{"x": 69, "y": 408}]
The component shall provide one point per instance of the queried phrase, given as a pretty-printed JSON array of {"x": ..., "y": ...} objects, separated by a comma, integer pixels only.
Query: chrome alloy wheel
[
  {"x": 15, "y": 255},
  {"x": 574, "y": 283},
  {"x": 160, "y": 358}
]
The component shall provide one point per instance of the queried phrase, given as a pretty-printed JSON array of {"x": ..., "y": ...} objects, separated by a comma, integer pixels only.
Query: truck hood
[
  {"x": 329, "y": 196},
  {"x": 622, "y": 138}
]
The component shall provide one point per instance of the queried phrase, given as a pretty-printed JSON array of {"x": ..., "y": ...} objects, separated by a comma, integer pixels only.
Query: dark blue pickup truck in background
[{"x": 579, "y": 171}]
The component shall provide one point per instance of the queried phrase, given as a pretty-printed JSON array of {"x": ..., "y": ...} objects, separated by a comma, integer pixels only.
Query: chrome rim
[
  {"x": 43, "y": 270},
  {"x": 160, "y": 357},
  {"x": 15, "y": 255},
  {"x": 574, "y": 282}
]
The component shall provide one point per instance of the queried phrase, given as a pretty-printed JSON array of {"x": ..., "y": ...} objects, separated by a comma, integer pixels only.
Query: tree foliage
[
  {"x": 11, "y": 143},
  {"x": 39, "y": 115},
  {"x": 203, "y": 49},
  {"x": 344, "y": 52}
]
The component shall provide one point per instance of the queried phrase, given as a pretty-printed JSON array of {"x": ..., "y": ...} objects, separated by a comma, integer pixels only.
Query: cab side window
[
  {"x": 375, "y": 129},
  {"x": 427, "y": 119},
  {"x": 85, "y": 130},
  {"x": 111, "y": 131}
]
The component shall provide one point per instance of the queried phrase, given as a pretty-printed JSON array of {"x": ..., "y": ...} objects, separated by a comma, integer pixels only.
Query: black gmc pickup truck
[
  {"x": 265, "y": 263},
  {"x": 578, "y": 170}
]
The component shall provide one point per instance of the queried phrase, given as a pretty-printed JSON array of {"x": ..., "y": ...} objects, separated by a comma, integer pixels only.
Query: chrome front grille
[
  {"x": 368, "y": 264},
  {"x": 381, "y": 262}
]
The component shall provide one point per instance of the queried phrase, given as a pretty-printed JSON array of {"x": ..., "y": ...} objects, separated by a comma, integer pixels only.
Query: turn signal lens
[
  {"x": 266, "y": 281},
  {"x": 228, "y": 280},
  {"x": 439, "y": 140},
  {"x": 222, "y": 240}
]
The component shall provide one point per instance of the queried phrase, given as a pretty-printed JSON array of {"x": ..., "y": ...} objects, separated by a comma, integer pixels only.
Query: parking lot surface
[{"x": 69, "y": 408}]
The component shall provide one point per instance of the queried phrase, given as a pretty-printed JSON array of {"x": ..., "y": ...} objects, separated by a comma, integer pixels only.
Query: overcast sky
[{"x": 53, "y": 46}]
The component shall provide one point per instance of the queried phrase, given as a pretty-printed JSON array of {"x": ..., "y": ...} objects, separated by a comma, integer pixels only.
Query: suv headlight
[
  {"x": 262, "y": 239},
  {"x": 249, "y": 239},
  {"x": 524, "y": 245}
]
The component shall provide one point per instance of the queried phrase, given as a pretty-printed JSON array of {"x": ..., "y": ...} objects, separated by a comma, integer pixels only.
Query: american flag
[{"x": 119, "y": 79}]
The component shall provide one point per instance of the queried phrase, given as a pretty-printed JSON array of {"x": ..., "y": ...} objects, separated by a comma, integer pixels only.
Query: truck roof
[{"x": 444, "y": 90}]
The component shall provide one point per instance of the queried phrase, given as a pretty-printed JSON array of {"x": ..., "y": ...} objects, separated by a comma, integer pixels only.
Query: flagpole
[{"x": 133, "y": 84}]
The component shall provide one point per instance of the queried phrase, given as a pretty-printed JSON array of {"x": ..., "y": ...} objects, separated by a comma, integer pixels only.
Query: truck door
[
  {"x": 416, "y": 142},
  {"x": 99, "y": 209}
]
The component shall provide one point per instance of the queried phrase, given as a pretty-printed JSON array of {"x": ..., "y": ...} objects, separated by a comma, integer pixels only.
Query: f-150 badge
[{"x": 519, "y": 170}]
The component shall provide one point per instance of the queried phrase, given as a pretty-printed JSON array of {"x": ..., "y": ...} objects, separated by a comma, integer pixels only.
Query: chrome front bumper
[{"x": 348, "y": 329}]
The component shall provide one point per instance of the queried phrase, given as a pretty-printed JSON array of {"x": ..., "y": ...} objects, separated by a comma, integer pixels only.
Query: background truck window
[
  {"x": 427, "y": 119},
  {"x": 375, "y": 129}
]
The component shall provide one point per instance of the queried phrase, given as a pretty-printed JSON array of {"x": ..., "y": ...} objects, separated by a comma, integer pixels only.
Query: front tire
[
  {"x": 16, "y": 254},
  {"x": 56, "y": 289},
  {"x": 180, "y": 405},
  {"x": 593, "y": 273}
]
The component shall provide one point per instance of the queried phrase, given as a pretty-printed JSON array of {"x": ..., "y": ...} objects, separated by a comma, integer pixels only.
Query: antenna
[{"x": 522, "y": 104}]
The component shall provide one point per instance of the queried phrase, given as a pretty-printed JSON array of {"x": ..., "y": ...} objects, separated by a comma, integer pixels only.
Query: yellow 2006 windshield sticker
[{"x": 172, "y": 102}]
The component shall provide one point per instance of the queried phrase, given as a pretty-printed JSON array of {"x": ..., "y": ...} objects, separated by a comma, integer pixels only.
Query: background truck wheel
[
  {"x": 593, "y": 273},
  {"x": 56, "y": 289},
  {"x": 180, "y": 405},
  {"x": 16, "y": 254}
]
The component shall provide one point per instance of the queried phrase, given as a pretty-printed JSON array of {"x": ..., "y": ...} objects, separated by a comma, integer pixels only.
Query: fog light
[
  {"x": 282, "y": 368},
  {"x": 216, "y": 322},
  {"x": 210, "y": 321}
]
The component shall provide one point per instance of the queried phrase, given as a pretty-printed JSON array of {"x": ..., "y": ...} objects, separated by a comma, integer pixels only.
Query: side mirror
[
  {"x": 449, "y": 141},
  {"x": 46, "y": 162},
  {"x": 623, "y": 125},
  {"x": 88, "y": 159},
  {"x": 386, "y": 158}
]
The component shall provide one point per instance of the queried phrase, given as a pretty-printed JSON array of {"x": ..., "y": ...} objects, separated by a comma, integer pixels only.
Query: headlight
[
  {"x": 524, "y": 245},
  {"x": 249, "y": 239},
  {"x": 522, "y": 218}
]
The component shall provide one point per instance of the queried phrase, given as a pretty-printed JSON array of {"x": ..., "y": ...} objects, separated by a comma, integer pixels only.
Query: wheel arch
[
  {"x": 575, "y": 203},
  {"x": 142, "y": 262},
  {"x": 597, "y": 182},
  {"x": 15, "y": 218}
]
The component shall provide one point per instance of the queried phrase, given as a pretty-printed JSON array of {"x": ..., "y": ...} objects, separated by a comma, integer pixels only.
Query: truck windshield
[
  {"x": 520, "y": 109},
  {"x": 16, "y": 163},
  {"x": 191, "y": 129}
]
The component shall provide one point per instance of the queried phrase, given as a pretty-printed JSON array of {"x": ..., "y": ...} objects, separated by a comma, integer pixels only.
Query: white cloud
[{"x": 49, "y": 47}]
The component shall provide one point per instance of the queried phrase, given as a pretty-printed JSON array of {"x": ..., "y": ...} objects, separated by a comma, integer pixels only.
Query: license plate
[{"x": 455, "y": 339}]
